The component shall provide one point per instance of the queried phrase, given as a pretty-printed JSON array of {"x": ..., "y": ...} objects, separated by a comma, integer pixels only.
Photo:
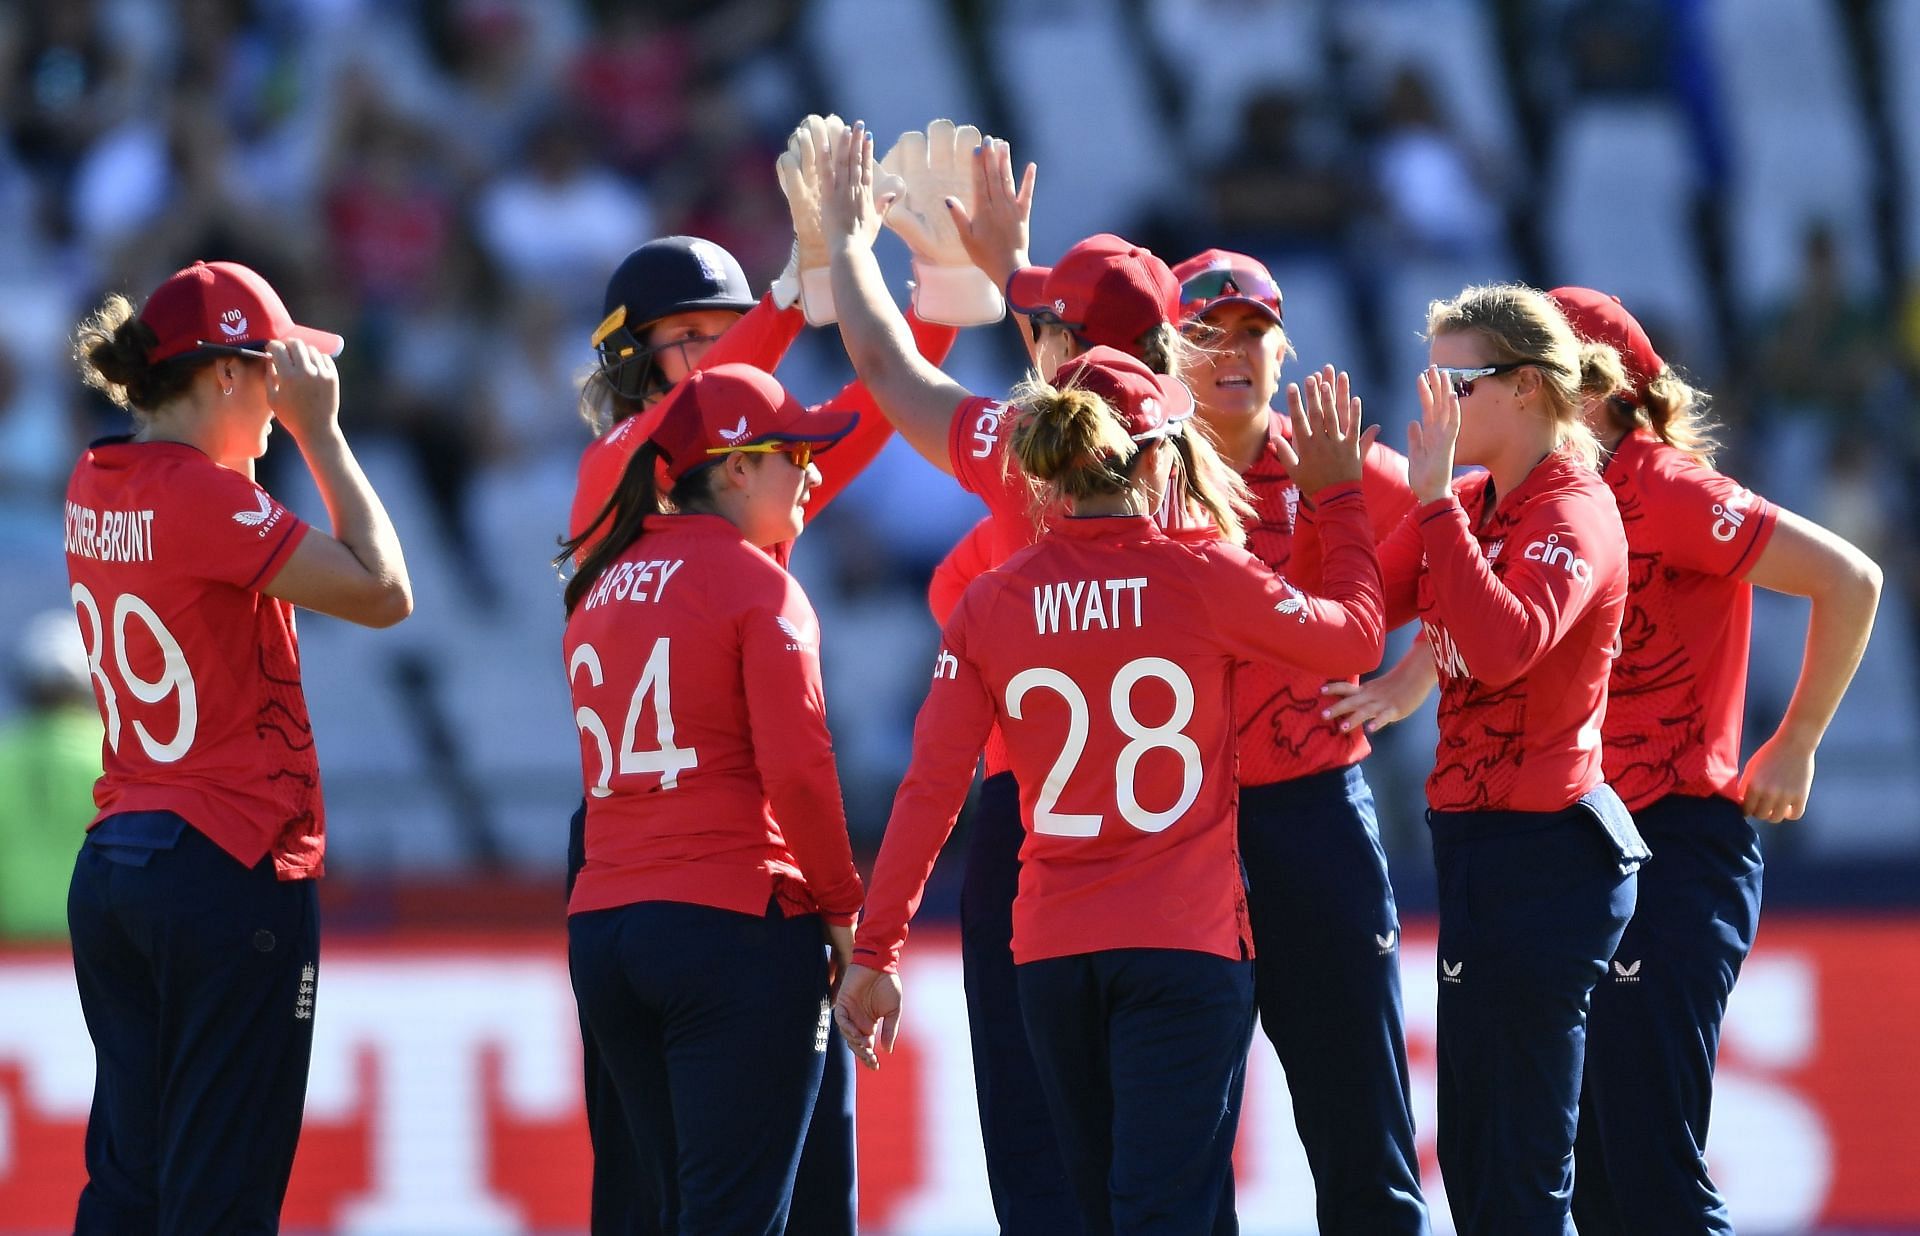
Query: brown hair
[
  {"x": 110, "y": 349},
  {"x": 1668, "y": 405},
  {"x": 1072, "y": 446},
  {"x": 637, "y": 496},
  {"x": 1524, "y": 326}
]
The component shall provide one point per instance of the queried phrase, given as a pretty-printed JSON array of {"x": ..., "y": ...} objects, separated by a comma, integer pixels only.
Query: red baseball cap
[
  {"x": 223, "y": 305},
  {"x": 728, "y": 407},
  {"x": 1105, "y": 290},
  {"x": 1220, "y": 277},
  {"x": 1150, "y": 404},
  {"x": 1600, "y": 318}
]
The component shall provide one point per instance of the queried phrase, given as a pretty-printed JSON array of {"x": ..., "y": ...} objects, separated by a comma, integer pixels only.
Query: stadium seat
[
  {"x": 1790, "y": 100},
  {"x": 1899, "y": 53},
  {"x": 1453, "y": 42},
  {"x": 1076, "y": 88},
  {"x": 1620, "y": 197},
  {"x": 1224, "y": 52},
  {"x": 903, "y": 70}
]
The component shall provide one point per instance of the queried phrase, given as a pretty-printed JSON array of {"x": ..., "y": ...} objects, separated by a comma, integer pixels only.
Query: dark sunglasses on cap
[
  {"x": 1462, "y": 380},
  {"x": 1210, "y": 285},
  {"x": 801, "y": 453}
]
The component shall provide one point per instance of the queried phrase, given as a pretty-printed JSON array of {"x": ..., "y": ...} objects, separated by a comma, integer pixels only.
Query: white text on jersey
[
  {"x": 1077, "y": 606},
  {"x": 634, "y": 581},
  {"x": 110, "y": 536}
]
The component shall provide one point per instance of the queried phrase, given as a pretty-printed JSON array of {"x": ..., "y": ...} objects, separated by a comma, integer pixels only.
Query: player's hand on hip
[
  {"x": 303, "y": 388},
  {"x": 867, "y": 1011},
  {"x": 1777, "y": 781}
]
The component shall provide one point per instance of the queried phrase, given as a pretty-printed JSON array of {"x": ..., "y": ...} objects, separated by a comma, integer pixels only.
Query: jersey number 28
[{"x": 1140, "y": 740}]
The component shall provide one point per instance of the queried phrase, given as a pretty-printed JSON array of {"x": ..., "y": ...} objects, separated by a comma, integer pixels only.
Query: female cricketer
[
  {"x": 1519, "y": 577},
  {"x": 716, "y": 843},
  {"x": 1326, "y": 930},
  {"x": 673, "y": 306},
  {"x": 1104, "y": 653},
  {"x": 192, "y": 908},
  {"x": 1697, "y": 543},
  {"x": 1103, "y": 292}
]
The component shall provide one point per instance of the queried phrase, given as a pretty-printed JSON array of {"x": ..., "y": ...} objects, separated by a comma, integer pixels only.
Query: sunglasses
[
  {"x": 1211, "y": 285},
  {"x": 800, "y": 453},
  {"x": 1046, "y": 317},
  {"x": 1462, "y": 380}
]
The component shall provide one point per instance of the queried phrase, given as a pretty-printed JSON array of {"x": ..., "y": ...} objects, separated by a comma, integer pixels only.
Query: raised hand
[
  {"x": 935, "y": 168},
  {"x": 807, "y": 278},
  {"x": 848, "y": 212},
  {"x": 867, "y": 1011},
  {"x": 994, "y": 229},
  {"x": 303, "y": 388},
  {"x": 1430, "y": 442},
  {"x": 1328, "y": 441}
]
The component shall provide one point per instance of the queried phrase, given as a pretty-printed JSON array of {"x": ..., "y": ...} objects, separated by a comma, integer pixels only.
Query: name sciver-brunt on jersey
[{"x": 109, "y": 536}]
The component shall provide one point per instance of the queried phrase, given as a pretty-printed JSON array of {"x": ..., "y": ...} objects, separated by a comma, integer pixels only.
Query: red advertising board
[{"x": 444, "y": 1096}]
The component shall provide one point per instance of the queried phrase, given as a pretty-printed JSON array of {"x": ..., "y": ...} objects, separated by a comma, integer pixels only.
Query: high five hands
[
  {"x": 1430, "y": 442},
  {"x": 1328, "y": 440}
]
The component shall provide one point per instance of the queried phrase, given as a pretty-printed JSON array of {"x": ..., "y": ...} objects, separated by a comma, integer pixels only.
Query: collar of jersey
[{"x": 1105, "y": 527}]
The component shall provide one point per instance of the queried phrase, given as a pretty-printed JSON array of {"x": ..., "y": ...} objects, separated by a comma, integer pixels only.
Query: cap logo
[
  {"x": 1150, "y": 407},
  {"x": 1060, "y": 306},
  {"x": 233, "y": 324},
  {"x": 706, "y": 253},
  {"x": 737, "y": 432}
]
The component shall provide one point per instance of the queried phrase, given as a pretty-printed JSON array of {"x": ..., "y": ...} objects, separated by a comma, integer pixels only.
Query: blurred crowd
[{"x": 448, "y": 183}]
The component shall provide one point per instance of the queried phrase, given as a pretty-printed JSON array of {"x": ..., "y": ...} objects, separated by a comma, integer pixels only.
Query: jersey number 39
[{"x": 175, "y": 677}]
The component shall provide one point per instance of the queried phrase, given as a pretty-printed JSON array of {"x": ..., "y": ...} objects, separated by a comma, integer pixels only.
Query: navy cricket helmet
[{"x": 675, "y": 274}]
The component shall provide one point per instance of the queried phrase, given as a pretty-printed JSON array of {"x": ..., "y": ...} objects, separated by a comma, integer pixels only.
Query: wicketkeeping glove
[
  {"x": 934, "y": 166},
  {"x": 806, "y": 277}
]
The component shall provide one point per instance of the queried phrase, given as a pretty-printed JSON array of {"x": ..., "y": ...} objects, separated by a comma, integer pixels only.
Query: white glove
[
  {"x": 934, "y": 166},
  {"x": 806, "y": 277}
]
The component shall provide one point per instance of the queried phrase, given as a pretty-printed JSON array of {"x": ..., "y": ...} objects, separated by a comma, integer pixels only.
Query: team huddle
[{"x": 1155, "y": 640}]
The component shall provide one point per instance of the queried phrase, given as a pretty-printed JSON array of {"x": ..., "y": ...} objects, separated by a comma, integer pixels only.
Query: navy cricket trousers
[
  {"x": 1032, "y": 1195},
  {"x": 197, "y": 978},
  {"x": 1532, "y": 905},
  {"x": 1327, "y": 983},
  {"x": 714, "y": 1026},
  {"x": 1142, "y": 1053},
  {"x": 1655, "y": 1027},
  {"x": 625, "y": 1203}
]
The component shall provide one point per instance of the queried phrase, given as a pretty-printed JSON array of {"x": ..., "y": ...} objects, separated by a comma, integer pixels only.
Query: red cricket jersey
[
  {"x": 1521, "y": 603},
  {"x": 694, "y": 663},
  {"x": 195, "y": 670},
  {"x": 1679, "y": 686},
  {"x": 1282, "y": 735},
  {"x": 760, "y": 338},
  {"x": 1105, "y": 653}
]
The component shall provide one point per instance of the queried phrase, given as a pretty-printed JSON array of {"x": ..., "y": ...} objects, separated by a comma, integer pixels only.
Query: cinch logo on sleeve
[
  {"x": 946, "y": 665},
  {"x": 1731, "y": 515},
  {"x": 1553, "y": 553},
  {"x": 986, "y": 429}
]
